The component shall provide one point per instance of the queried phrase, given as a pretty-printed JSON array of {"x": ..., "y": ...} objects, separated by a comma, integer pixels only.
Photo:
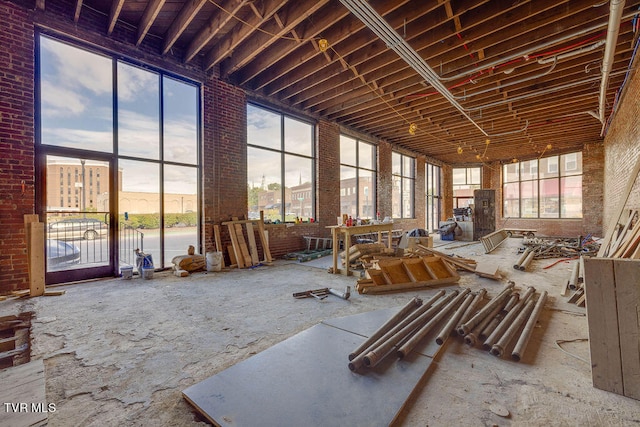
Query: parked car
[
  {"x": 61, "y": 254},
  {"x": 77, "y": 228}
]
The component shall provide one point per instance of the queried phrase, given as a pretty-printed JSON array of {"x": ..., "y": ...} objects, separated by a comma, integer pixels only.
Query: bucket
[
  {"x": 147, "y": 272},
  {"x": 127, "y": 272},
  {"x": 214, "y": 261}
]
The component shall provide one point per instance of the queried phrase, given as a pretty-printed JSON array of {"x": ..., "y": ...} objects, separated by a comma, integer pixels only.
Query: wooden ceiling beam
[
  {"x": 76, "y": 13},
  {"x": 148, "y": 17},
  {"x": 240, "y": 33},
  {"x": 114, "y": 13},
  {"x": 186, "y": 15},
  {"x": 291, "y": 16}
]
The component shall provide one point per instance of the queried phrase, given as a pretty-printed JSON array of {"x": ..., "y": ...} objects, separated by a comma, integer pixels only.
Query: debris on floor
[{"x": 322, "y": 293}]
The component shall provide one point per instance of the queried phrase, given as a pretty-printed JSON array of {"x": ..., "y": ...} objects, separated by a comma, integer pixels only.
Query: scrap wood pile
[
  {"x": 560, "y": 247},
  {"x": 504, "y": 323},
  {"x": 362, "y": 254},
  {"x": 243, "y": 252},
  {"x": 625, "y": 240}
]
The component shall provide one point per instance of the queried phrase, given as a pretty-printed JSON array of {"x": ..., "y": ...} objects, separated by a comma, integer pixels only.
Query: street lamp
[{"x": 84, "y": 191}]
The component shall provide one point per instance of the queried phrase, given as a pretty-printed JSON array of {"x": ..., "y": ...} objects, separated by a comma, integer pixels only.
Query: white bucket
[
  {"x": 127, "y": 272},
  {"x": 214, "y": 261},
  {"x": 147, "y": 272}
]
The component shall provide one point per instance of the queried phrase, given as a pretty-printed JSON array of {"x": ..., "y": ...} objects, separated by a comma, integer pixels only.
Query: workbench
[{"x": 347, "y": 232}]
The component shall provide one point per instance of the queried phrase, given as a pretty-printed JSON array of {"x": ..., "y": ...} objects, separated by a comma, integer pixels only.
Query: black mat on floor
[{"x": 305, "y": 381}]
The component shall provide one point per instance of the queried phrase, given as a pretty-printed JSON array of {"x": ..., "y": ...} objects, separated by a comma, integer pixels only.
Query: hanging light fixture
[
  {"x": 323, "y": 44},
  {"x": 460, "y": 150},
  {"x": 413, "y": 128}
]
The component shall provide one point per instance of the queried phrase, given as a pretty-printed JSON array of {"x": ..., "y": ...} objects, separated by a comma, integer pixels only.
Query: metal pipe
[
  {"x": 423, "y": 330},
  {"x": 575, "y": 272},
  {"x": 466, "y": 327},
  {"x": 615, "y": 18},
  {"x": 521, "y": 259},
  {"x": 521, "y": 345},
  {"x": 344, "y": 295},
  {"x": 503, "y": 342},
  {"x": 414, "y": 303},
  {"x": 358, "y": 361},
  {"x": 508, "y": 319},
  {"x": 572, "y": 53},
  {"x": 527, "y": 52},
  {"x": 491, "y": 326},
  {"x": 472, "y": 337},
  {"x": 453, "y": 321},
  {"x": 474, "y": 304},
  {"x": 376, "y": 354},
  {"x": 527, "y": 260}
]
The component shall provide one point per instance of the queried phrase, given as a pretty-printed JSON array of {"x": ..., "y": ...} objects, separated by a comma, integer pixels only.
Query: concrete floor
[{"x": 120, "y": 352}]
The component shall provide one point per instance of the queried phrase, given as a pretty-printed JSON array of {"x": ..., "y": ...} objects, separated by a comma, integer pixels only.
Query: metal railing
[{"x": 130, "y": 239}]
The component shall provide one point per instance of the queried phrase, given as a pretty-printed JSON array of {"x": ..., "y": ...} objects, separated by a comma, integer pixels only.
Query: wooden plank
[
  {"x": 24, "y": 384},
  {"x": 244, "y": 250},
  {"x": 602, "y": 318},
  {"x": 488, "y": 268},
  {"x": 36, "y": 259},
  {"x": 416, "y": 269},
  {"x": 264, "y": 240},
  {"x": 253, "y": 248},
  {"x": 218, "y": 241},
  {"x": 627, "y": 292},
  {"x": 236, "y": 246},
  {"x": 232, "y": 256},
  {"x": 622, "y": 236}
]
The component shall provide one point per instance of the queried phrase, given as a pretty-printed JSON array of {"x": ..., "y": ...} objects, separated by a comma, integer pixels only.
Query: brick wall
[
  {"x": 16, "y": 142},
  {"x": 328, "y": 177},
  {"x": 385, "y": 182},
  {"x": 622, "y": 152}
]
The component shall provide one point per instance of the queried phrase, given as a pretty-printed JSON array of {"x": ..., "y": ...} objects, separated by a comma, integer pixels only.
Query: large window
[
  {"x": 465, "y": 181},
  {"x": 433, "y": 196},
  {"x": 543, "y": 188},
  {"x": 142, "y": 122},
  {"x": 357, "y": 178},
  {"x": 280, "y": 172},
  {"x": 403, "y": 170}
]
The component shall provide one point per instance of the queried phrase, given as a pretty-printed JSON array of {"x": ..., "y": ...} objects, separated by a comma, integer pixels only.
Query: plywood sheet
[{"x": 305, "y": 381}]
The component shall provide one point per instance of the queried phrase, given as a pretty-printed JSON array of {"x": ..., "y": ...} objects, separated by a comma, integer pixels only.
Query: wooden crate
[{"x": 612, "y": 289}]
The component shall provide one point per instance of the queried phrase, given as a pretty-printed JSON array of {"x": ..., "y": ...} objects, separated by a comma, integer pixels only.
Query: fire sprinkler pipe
[
  {"x": 615, "y": 18},
  {"x": 414, "y": 303},
  {"x": 521, "y": 345}
]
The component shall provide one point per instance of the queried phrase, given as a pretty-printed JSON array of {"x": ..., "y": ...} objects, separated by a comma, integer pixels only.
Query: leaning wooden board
[{"x": 613, "y": 316}]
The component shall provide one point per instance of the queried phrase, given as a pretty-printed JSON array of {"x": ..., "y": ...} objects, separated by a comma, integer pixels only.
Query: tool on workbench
[{"x": 322, "y": 293}]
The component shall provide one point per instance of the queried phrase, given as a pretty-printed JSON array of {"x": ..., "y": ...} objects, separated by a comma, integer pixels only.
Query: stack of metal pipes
[
  {"x": 525, "y": 259},
  {"x": 500, "y": 322},
  {"x": 496, "y": 325},
  {"x": 412, "y": 323}
]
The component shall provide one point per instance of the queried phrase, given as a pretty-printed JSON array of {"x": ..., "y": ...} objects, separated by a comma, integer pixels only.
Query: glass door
[{"x": 79, "y": 242}]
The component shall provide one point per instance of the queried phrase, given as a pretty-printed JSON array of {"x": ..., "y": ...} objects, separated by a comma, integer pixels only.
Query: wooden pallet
[{"x": 398, "y": 274}]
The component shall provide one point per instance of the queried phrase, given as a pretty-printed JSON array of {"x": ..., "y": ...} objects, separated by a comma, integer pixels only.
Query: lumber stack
[{"x": 241, "y": 253}]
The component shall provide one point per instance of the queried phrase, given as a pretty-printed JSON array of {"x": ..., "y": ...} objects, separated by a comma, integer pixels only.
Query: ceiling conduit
[
  {"x": 615, "y": 18},
  {"x": 363, "y": 11},
  {"x": 528, "y": 52}
]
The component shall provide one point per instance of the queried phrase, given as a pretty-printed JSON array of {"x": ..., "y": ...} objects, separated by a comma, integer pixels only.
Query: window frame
[
  {"x": 404, "y": 178},
  {"x": 358, "y": 168},
  {"x": 544, "y": 185},
  {"x": 283, "y": 154}
]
